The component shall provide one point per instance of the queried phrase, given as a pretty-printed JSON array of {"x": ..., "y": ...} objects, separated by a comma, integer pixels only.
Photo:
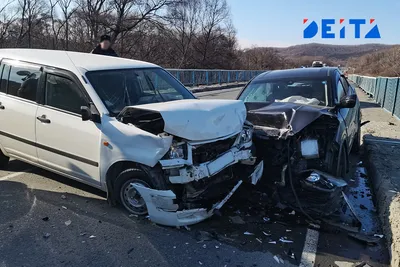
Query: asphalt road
[{"x": 48, "y": 220}]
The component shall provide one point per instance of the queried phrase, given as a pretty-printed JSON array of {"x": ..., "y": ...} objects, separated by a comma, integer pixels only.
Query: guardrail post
[
  {"x": 384, "y": 93},
  {"x": 237, "y": 76},
  {"x": 193, "y": 84},
  {"x": 207, "y": 77},
  {"x": 395, "y": 96},
  {"x": 219, "y": 77},
  {"x": 229, "y": 76}
]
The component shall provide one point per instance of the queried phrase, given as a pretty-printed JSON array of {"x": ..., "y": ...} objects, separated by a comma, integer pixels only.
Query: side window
[
  {"x": 23, "y": 82},
  {"x": 62, "y": 93},
  {"x": 340, "y": 90}
]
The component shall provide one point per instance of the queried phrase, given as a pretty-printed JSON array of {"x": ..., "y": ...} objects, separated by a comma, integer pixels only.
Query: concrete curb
[
  {"x": 215, "y": 87},
  {"x": 387, "y": 199}
]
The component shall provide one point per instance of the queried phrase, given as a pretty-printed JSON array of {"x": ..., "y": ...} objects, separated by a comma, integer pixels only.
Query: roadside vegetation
[{"x": 171, "y": 33}]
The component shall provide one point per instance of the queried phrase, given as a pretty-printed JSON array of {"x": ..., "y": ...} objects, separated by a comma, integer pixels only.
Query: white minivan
[{"x": 126, "y": 127}]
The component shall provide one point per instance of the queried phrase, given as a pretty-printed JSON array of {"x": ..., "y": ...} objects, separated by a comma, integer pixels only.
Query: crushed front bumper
[{"x": 163, "y": 208}]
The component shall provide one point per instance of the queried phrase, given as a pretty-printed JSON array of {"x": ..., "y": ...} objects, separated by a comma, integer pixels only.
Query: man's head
[{"x": 105, "y": 42}]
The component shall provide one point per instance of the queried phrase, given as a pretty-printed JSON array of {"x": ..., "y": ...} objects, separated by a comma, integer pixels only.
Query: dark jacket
[{"x": 108, "y": 52}]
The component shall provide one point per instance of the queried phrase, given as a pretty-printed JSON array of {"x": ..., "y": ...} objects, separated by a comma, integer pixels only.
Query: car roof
[
  {"x": 296, "y": 73},
  {"x": 67, "y": 60}
]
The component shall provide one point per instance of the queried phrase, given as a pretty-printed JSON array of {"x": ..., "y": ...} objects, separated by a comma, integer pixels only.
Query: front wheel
[{"x": 127, "y": 194}]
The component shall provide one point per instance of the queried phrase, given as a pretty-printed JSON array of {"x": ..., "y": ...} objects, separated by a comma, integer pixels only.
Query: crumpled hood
[
  {"x": 197, "y": 120},
  {"x": 287, "y": 118}
]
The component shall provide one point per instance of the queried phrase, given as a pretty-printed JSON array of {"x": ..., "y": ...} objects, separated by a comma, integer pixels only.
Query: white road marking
[
  {"x": 310, "y": 249},
  {"x": 7, "y": 177}
]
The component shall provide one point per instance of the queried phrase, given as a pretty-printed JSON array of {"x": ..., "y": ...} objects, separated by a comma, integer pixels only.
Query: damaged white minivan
[{"x": 127, "y": 127}]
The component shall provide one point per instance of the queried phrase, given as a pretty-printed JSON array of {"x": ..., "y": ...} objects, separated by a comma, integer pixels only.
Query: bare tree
[
  {"x": 7, "y": 18},
  {"x": 31, "y": 11},
  {"x": 67, "y": 10}
]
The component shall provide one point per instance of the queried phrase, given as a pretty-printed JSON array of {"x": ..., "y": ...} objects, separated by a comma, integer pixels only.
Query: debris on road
[
  {"x": 290, "y": 254},
  {"x": 46, "y": 235},
  {"x": 92, "y": 236},
  {"x": 285, "y": 240},
  {"x": 248, "y": 233},
  {"x": 236, "y": 220},
  {"x": 259, "y": 240},
  {"x": 292, "y": 213},
  {"x": 64, "y": 207},
  {"x": 272, "y": 242},
  {"x": 266, "y": 219},
  {"x": 45, "y": 219},
  {"x": 380, "y": 236},
  {"x": 133, "y": 215},
  {"x": 67, "y": 223},
  {"x": 266, "y": 234},
  {"x": 186, "y": 227},
  {"x": 63, "y": 197}
]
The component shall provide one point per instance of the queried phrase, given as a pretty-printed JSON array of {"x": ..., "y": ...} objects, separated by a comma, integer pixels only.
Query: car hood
[
  {"x": 284, "y": 119},
  {"x": 193, "y": 119}
]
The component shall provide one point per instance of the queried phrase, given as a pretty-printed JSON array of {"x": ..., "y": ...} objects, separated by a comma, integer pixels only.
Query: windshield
[
  {"x": 301, "y": 91},
  {"x": 120, "y": 88}
]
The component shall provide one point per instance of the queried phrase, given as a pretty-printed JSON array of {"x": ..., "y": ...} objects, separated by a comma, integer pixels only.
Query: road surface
[{"x": 48, "y": 220}]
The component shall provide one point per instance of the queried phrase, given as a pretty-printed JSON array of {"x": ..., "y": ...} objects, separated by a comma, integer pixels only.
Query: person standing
[{"x": 104, "y": 47}]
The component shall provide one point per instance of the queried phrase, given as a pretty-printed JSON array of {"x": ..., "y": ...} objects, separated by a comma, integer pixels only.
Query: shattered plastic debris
[
  {"x": 186, "y": 227},
  {"x": 200, "y": 263},
  {"x": 92, "y": 236},
  {"x": 248, "y": 233},
  {"x": 133, "y": 215},
  {"x": 236, "y": 220},
  {"x": 68, "y": 222},
  {"x": 288, "y": 230},
  {"x": 380, "y": 236},
  {"x": 46, "y": 235},
  {"x": 278, "y": 259},
  {"x": 292, "y": 213},
  {"x": 45, "y": 219},
  {"x": 259, "y": 240},
  {"x": 204, "y": 246},
  {"x": 272, "y": 242},
  {"x": 266, "y": 219},
  {"x": 63, "y": 197},
  {"x": 285, "y": 240},
  {"x": 217, "y": 247},
  {"x": 64, "y": 207},
  {"x": 266, "y": 234}
]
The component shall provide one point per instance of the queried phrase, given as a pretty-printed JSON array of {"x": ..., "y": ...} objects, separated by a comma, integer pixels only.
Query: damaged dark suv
[{"x": 306, "y": 123}]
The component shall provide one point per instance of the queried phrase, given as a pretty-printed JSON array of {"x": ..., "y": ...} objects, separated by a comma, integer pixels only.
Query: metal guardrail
[
  {"x": 195, "y": 77},
  {"x": 384, "y": 90}
]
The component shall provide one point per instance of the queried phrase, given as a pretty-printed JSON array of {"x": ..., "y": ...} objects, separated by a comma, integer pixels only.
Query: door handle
[
  {"x": 1, "y": 106},
  {"x": 43, "y": 119}
]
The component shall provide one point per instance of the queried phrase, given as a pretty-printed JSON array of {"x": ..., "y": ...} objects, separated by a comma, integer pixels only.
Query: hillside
[{"x": 332, "y": 53}]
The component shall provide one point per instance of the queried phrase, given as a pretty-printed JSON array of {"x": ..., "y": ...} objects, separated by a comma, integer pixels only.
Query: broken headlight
[
  {"x": 245, "y": 135},
  {"x": 177, "y": 151},
  {"x": 309, "y": 148}
]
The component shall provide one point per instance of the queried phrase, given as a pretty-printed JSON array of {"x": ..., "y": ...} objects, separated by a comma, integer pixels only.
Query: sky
[{"x": 279, "y": 23}]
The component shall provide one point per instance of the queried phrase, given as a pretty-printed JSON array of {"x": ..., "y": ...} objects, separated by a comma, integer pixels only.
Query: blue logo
[{"x": 326, "y": 29}]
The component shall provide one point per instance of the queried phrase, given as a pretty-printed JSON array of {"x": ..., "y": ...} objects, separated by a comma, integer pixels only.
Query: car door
[
  {"x": 65, "y": 142},
  {"x": 345, "y": 114},
  {"x": 352, "y": 112},
  {"x": 18, "y": 106}
]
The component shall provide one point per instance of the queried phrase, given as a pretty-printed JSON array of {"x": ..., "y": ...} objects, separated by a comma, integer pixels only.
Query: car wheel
[
  {"x": 128, "y": 196},
  {"x": 3, "y": 161}
]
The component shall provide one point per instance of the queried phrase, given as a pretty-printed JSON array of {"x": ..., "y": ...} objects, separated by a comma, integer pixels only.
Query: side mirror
[
  {"x": 86, "y": 113},
  {"x": 348, "y": 101}
]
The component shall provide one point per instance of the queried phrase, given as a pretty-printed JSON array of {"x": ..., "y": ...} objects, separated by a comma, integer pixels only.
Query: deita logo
[{"x": 312, "y": 29}]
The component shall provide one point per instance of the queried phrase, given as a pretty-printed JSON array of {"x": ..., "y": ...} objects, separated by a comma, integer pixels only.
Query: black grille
[{"x": 206, "y": 152}]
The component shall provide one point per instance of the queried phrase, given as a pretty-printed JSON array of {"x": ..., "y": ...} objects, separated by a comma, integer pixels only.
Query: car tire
[
  {"x": 128, "y": 196},
  {"x": 3, "y": 161}
]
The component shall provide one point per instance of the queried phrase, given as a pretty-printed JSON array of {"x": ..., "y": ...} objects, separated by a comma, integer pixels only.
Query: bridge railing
[
  {"x": 384, "y": 90},
  {"x": 195, "y": 77}
]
